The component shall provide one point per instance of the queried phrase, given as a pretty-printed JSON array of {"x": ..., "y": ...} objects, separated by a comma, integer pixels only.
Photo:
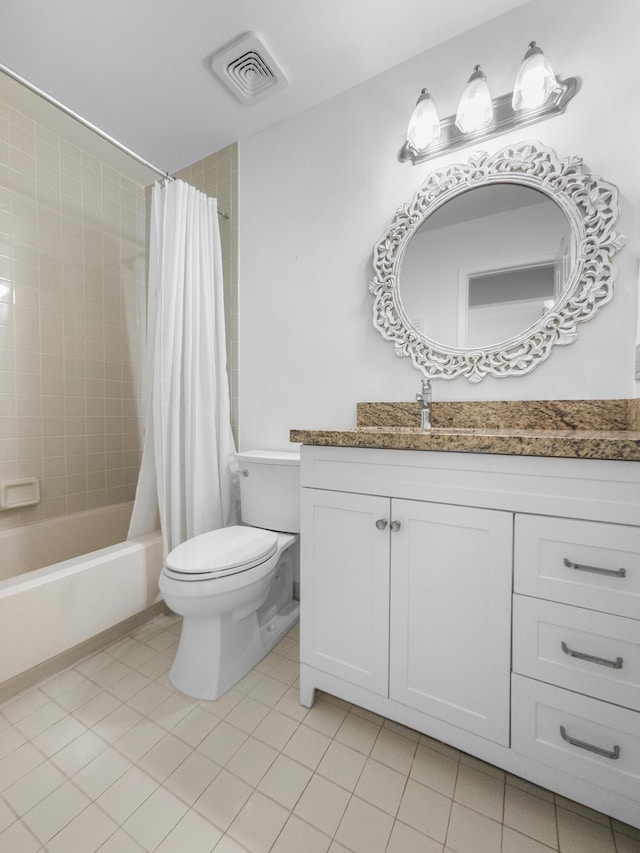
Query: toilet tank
[{"x": 270, "y": 489}]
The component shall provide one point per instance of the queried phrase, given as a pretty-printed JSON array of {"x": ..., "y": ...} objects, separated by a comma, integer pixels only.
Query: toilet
[{"x": 234, "y": 586}]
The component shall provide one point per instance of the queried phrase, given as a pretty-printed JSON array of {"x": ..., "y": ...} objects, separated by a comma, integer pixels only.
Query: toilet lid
[{"x": 222, "y": 552}]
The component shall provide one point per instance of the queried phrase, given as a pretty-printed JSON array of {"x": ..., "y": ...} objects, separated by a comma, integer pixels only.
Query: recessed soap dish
[{"x": 17, "y": 493}]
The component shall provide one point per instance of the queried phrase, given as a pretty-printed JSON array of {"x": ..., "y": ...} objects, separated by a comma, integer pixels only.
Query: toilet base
[
  {"x": 239, "y": 648},
  {"x": 279, "y": 625}
]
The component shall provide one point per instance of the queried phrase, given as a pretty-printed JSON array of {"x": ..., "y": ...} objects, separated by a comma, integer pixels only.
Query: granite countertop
[{"x": 583, "y": 429}]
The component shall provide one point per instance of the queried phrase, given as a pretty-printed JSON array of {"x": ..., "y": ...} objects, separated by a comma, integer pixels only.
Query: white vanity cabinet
[
  {"x": 408, "y": 598},
  {"x": 401, "y": 599}
]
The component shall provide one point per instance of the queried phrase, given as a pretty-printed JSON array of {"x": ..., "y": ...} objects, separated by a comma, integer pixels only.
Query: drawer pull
[
  {"x": 614, "y": 664},
  {"x": 616, "y": 573},
  {"x": 614, "y": 753}
]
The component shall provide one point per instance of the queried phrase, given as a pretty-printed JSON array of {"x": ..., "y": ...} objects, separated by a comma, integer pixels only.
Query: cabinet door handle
[
  {"x": 615, "y": 573},
  {"x": 381, "y": 523},
  {"x": 590, "y": 747},
  {"x": 614, "y": 664},
  {"x": 395, "y": 526}
]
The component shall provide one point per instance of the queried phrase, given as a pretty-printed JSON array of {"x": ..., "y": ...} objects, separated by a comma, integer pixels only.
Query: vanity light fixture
[
  {"x": 537, "y": 94},
  {"x": 424, "y": 124},
  {"x": 475, "y": 109},
  {"x": 535, "y": 80}
]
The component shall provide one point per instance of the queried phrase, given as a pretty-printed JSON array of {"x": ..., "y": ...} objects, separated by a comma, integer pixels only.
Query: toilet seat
[{"x": 219, "y": 553}]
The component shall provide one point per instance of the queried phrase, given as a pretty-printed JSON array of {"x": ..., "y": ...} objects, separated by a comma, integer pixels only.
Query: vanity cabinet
[
  {"x": 401, "y": 598},
  {"x": 414, "y": 567}
]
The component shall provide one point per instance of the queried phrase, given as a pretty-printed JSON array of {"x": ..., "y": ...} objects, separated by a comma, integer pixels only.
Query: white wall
[{"x": 318, "y": 190}]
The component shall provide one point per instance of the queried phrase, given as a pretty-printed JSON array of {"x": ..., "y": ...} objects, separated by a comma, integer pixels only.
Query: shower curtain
[{"x": 188, "y": 474}]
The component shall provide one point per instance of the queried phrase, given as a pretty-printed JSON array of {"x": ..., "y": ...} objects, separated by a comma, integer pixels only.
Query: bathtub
[
  {"x": 32, "y": 546},
  {"x": 48, "y": 611}
]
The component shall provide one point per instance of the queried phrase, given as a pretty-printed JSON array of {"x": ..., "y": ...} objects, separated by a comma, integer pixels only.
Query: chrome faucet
[{"x": 425, "y": 398}]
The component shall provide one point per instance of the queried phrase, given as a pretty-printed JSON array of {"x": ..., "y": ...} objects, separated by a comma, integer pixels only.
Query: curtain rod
[{"x": 93, "y": 127}]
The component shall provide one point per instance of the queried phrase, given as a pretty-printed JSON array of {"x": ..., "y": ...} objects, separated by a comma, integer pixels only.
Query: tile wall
[
  {"x": 217, "y": 176},
  {"x": 72, "y": 308}
]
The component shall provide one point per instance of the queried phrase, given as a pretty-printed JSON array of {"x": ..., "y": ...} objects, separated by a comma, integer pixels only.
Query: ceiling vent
[{"x": 248, "y": 70}]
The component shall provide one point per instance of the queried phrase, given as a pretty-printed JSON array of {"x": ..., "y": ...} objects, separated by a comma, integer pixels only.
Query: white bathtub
[{"x": 48, "y": 611}]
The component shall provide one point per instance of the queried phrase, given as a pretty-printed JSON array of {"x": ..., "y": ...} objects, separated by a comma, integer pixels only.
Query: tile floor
[{"x": 106, "y": 756}]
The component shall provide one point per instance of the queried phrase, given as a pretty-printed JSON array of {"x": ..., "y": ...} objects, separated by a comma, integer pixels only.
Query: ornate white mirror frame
[{"x": 590, "y": 205}]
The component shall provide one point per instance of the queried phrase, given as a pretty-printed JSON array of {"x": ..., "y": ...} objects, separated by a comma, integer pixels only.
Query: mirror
[
  {"x": 482, "y": 268},
  {"x": 495, "y": 261}
]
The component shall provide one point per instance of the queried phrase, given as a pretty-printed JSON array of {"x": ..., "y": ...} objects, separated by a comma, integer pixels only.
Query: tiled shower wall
[
  {"x": 217, "y": 176},
  {"x": 72, "y": 308}
]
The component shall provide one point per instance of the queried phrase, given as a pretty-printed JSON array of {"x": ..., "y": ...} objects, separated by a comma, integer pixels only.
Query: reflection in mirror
[
  {"x": 501, "y": 303},
  {"x": 486, "y": 265}
]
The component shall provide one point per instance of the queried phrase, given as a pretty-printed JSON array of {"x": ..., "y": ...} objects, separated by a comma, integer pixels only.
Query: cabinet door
[
  {"x": 344, "y": 586},
  {"x": 451, "y": 614}
]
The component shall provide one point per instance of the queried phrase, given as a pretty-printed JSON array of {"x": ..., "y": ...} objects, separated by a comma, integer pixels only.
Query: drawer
[
  {"x": 583, "y": 737},
  {"x": 593, "y": 653},
  {"x": 585, "y": 563}
]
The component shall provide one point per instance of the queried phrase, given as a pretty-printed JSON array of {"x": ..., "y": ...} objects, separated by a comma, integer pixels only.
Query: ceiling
[{"x": 140, "y": 69}]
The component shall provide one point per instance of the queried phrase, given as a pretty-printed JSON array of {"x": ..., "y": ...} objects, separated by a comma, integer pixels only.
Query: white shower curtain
[{"x": 188, "y": 474}]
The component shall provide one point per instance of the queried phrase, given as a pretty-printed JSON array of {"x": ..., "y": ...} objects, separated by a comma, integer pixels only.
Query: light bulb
[
  {"x": 475, "y": 109},
  {"x": 535, "y": 80},
  {"x": 424, "y": 124}
]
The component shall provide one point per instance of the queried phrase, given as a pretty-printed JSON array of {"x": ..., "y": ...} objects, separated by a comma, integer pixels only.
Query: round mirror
[
  {"x": 486, "y": 266},
  {"x": 495, "y": 261}
]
